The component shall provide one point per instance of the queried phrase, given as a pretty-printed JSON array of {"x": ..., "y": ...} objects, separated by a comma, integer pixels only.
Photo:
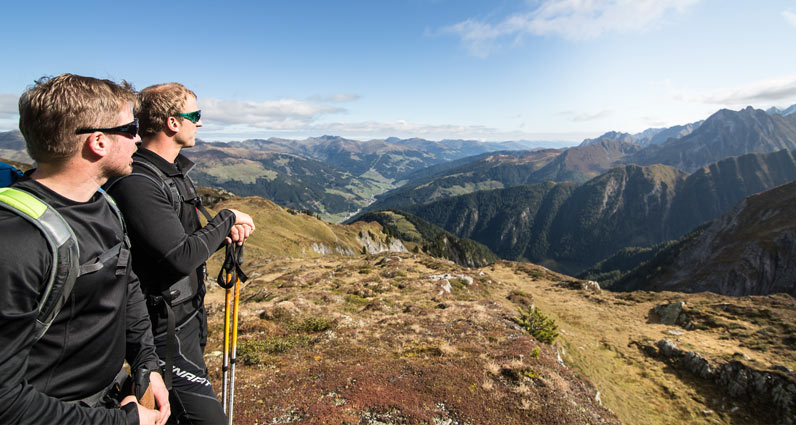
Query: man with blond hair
[
  {"x": 80, "y": 131},
  {"x": 170, "y": 246}
]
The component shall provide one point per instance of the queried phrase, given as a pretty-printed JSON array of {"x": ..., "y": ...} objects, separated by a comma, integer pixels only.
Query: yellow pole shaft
[{"x": 234, "y": 349}]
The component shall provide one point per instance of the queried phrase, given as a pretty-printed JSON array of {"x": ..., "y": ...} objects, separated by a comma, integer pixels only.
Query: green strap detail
[{"x": 23, "y": 202}]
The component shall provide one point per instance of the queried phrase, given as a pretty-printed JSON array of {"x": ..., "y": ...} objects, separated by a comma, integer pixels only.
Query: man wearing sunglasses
[
  {"x": 80, "y": 131},
  {"x": 170, "y": 246}
]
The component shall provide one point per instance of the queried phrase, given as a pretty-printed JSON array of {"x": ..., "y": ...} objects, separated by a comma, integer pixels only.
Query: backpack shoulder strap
[
  {"x": 63, "y": 247},
  {"x": 121, "y": 250},
  {"x": 166, "y": 183}
]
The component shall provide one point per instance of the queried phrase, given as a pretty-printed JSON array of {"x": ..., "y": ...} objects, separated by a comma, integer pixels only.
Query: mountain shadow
[
  {"x": 750, "y": 250},
  {"x": 569, "y": 228}
]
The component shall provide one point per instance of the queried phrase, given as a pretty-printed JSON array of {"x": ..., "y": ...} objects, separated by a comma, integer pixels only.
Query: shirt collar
[{"x": 180, "y": 167}]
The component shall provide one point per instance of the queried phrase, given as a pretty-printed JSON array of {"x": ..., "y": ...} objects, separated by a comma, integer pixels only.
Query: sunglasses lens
[
  {"x": 133, "y": 128},
  {"x": 130, "y": 129}
]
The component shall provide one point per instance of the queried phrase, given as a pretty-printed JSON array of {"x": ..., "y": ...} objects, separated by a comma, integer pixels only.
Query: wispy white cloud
[
  {"x": 790, "y": 16},
  {"x": 403, "y": 127},
  {"x": 368, "y": 130},
  {"x": 9, "y": 105},
  {"x": 570, "y": 19},
  {"x": 583, "y": 117},
  {"x": 336, "y": 98},
  {"x": 278, "y": 114},
  {"x": 778, "y": 89}
]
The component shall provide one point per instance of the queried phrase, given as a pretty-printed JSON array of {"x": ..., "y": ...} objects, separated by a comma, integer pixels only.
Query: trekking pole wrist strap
[{"x": 230, "y": 271}]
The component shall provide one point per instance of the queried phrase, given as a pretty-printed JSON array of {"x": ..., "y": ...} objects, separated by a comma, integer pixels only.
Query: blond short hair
[
  {"x": 158, "y": 103},
  {"x": 54, "y": 108}
]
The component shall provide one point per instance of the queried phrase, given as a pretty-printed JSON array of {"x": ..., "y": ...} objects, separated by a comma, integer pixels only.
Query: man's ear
[
  {"x": 173, "y": 124},
  {"x": 98, "y": 143}
]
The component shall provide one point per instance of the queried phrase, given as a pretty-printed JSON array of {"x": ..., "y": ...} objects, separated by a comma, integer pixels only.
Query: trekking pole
[
  {"x": 229, "y": 276},
  {"x": 225, "y": 364},
  {"x": 234, "y": 349}
]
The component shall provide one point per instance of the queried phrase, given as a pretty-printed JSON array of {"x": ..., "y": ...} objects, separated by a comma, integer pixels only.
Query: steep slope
[
  {"x": 629, "y": 206},
  {"x": 514, "y": 223},
  {"x": 714, "y": 189},
  {"x": 509, "y": 169},
  {"x": 581, "y": 163},
  {"x": 724, "y": 134},
  {"x": 494, "y": 171},
  {"x": 751, "y": 250},
  {"x": 283, "y": 232},
  {"x": 431, "y": 239}
]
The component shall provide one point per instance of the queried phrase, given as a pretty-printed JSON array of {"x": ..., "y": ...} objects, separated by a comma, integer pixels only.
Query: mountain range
[
  {"x": 336, "y": 177},
  {"x": 724, "y": 134},
  {"x": 331, "y": 176},
  {"x": 569, "y": 227},
  {"x": 648, "y": 137}
]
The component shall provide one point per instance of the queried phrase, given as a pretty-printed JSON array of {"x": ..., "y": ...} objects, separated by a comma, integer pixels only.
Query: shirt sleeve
[
  {"x": 24, "y": 263},
  {"x": 140, "y": 342},
  {"x": 156, "y": 229}
]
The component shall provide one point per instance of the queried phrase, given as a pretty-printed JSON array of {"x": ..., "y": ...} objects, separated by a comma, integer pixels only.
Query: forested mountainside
[
  {"x": 570, "y": 228},
  {"x": 750, "y": 250},
  {"x": 497, "y": 171}
]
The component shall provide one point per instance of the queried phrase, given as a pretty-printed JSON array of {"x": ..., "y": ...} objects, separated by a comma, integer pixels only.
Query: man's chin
[{"x": 120, "y": 173}]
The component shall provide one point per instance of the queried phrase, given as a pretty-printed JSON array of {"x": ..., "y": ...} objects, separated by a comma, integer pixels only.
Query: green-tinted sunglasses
[{"x": 193, "y": 117}]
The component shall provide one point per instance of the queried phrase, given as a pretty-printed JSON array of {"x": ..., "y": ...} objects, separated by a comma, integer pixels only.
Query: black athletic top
[
  {"x": 103, "y": 322},
  {"x": 167, "y": 246}
]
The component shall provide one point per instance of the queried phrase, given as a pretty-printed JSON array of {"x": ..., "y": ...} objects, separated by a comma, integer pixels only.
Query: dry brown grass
[{"x": 400, "y": 353}]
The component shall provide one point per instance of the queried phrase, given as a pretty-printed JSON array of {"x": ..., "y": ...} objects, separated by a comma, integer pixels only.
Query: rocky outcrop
[
  {"x": 773, "y": 393},
  {"x": 322, "y": 249},
  {"x": 375, "y": 246},
  {"x": 670, "y": 314},
  {"x": 583, "y": 285}
]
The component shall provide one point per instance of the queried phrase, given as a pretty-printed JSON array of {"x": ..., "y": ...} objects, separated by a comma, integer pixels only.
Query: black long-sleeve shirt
[
  {"x": 103, "y": 322},
  {"x": 167, "y": 245}
]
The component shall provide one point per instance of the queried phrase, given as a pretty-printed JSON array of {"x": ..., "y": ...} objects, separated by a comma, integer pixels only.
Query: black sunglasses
[
  {"x": 193, "y": 117},
  {"x": 130, "y": 129}
]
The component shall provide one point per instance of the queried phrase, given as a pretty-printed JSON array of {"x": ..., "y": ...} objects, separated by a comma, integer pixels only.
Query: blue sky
[{"x": 487, "y": 70}]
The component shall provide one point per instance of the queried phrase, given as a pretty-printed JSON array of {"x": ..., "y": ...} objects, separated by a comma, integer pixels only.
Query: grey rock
[
  {"x": 667, "y": 347},
  {"x": 671, "y": 314},
  {"x": 697, "y": 364}
]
